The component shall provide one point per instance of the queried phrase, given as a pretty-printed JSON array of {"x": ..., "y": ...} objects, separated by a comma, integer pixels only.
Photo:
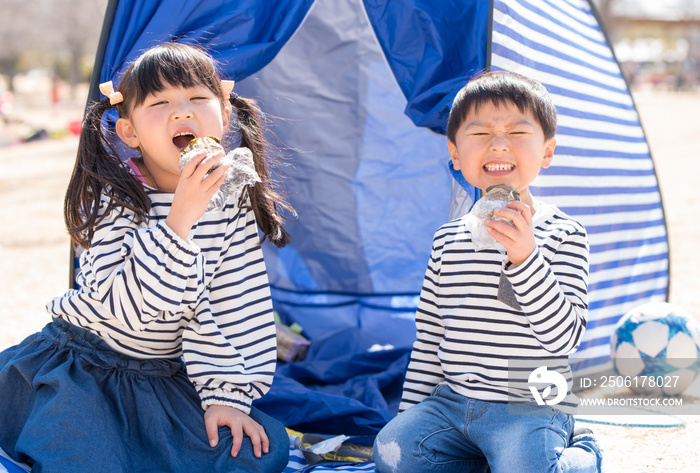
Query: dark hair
[
  {"x": 100, "y": 170},
  {"x": 501, "y": 87}
]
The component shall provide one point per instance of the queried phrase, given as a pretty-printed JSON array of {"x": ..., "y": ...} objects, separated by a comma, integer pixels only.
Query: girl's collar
[{"x": 135, "y": 165}]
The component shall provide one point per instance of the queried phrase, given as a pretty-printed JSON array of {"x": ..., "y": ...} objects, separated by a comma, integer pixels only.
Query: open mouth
[
  {"x": 183, "y": 139},
  {"x": 499, "y": 167}
]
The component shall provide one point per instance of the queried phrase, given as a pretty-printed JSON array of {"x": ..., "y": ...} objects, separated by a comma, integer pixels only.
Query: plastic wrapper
[
  {"x": 496, "y": 197},
  {"x": 241, "y": 173},
  {"x": 319, "y": 449}
]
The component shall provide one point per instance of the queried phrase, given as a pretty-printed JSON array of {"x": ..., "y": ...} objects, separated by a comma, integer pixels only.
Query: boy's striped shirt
[{"x": 466, "y": 335}]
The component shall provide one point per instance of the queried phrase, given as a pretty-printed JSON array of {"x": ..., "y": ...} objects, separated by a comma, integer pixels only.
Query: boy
[{"x": 454, "y": 415}]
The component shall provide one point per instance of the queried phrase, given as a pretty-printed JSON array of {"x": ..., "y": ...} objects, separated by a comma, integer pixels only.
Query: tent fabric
[
  {"x": 370, "y": 189},
  {"x": 352, "y": 262},
  {"x": 352, "y": 394},
  {"x": 243, "y": 35},
  {"x": 602, "y": 173},
  {"x": 431, "y": 47},
  {"x": 358, "y": 92}
]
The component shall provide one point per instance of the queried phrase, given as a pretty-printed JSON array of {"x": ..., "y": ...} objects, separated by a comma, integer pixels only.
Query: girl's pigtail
[
  {"x": 264, "y": 199},
  {"x": 98, "y": 169}
]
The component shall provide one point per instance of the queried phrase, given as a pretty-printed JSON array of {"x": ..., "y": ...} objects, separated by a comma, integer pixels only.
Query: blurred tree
[
  {"x": 48, "y": 30},
  {"x": 13, "y": 24}
]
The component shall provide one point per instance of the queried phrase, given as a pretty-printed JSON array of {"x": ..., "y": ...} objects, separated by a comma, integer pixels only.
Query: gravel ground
[{"x": 34, "y": 255}]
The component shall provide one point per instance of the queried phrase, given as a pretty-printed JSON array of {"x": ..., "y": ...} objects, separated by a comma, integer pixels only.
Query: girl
[{"x": 153, "y": 363}]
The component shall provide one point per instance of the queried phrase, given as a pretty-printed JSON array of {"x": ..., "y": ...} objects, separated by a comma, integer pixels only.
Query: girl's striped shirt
[{"x": 150, "y": 294}]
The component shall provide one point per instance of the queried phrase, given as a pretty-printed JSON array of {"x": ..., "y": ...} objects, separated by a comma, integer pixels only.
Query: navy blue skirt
[{"x": 70, "y": 403}]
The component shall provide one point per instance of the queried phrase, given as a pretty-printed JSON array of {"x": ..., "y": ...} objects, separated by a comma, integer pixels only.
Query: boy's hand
[
  {"x": 194, "y": 191},
  {"x": 240, "y": 423},
  {"x": 519, "y": 238}
]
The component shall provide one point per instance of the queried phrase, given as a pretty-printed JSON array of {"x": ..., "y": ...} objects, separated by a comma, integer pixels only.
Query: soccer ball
[{"x": 656, "y": 348}]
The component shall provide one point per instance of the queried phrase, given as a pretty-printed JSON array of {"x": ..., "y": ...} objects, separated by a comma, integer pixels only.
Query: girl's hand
[
  {"x": 519, "y": 238},
  {"x": 239, "y": 423},
  {"x": 194, "y": 191}
]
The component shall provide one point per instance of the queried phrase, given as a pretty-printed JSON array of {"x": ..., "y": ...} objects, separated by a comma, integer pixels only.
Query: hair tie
[
  {"x": 107, "y": 88},
  {"x": 227, "y": 87}
]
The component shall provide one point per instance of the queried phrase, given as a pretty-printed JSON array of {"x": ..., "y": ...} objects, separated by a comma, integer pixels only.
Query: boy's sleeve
[
  {"x": 424, "y": 370},
  {"x": 554, "y": 295},
  {"x": 230, "y": 347}
]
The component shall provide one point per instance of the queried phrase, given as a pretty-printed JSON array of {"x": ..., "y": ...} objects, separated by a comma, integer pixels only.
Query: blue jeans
[{"x": 448, "y": 432}]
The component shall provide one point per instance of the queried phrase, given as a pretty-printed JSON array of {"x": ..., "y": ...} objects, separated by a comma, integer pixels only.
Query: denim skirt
[{"x": 70, "y": 403}]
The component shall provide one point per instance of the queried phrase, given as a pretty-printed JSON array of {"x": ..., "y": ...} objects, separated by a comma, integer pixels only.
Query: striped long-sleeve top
[
  {"x": 466, "y": 335},
  {"x": 150, "y": 294}
]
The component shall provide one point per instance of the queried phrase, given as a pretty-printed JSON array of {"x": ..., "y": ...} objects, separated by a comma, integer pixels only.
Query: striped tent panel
[{"x": 602, "y": 173}]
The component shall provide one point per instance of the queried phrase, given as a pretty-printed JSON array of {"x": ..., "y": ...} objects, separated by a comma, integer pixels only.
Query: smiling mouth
[
  {"x": 183, "y": 139},
  {"x": 499, "y": 167}
]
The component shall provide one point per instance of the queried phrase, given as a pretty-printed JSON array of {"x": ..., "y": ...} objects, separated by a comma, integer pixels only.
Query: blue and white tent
[{"x": 359, "y": 92}]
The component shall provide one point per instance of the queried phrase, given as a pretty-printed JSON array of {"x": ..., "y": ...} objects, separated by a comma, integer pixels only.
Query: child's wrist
[
  {"x": 180, "y": 228},
  {"x": 518, "y": 260}
]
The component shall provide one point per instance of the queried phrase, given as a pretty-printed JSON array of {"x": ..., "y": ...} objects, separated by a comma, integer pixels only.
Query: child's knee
[
  {"x": 277, "y": 457},
  {"x": 396, "y": 448},
  {"x": 277, "y": 435},
  {"x": 386, "y": 453}
]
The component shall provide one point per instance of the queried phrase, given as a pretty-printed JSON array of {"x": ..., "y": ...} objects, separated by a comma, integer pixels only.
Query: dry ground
[{"x": 34, "y": 256}]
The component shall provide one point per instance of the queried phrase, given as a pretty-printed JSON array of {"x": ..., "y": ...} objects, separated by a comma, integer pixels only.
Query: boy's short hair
[{"x": 500, "y": 87}]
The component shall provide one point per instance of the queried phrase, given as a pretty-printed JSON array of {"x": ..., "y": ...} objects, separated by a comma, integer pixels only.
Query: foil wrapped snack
[
  {"x": 496, "y": 197},
  {"x": 241, "y": 173},
  {"x": 209, "y": 143}
]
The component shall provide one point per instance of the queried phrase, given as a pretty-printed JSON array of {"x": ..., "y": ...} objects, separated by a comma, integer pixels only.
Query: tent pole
[
  {"x": 93, "y": 92},
  {"x": 489, "y": 39}
]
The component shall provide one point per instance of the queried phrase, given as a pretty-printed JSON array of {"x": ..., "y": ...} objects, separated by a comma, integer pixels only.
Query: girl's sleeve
[
  {"x": 554, "y": 294},
  {"x": 142, "y": 274},
  {"x": 230, "y": 347},
  {"x": 424, "y": 369}
]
